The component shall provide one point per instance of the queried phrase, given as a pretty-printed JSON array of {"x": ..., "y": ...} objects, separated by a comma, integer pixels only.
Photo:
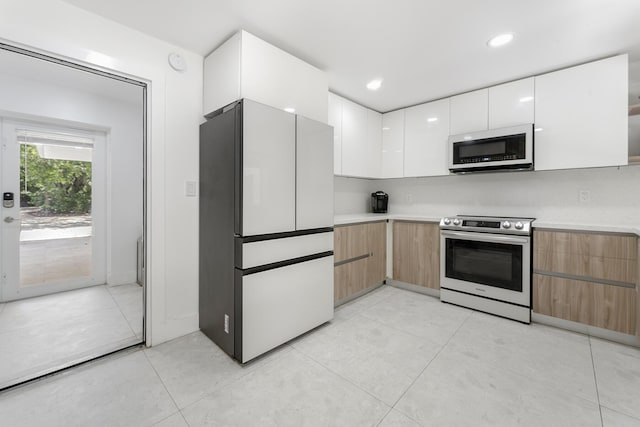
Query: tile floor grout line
[
  {"x": 428, "y": 364},
  {"x": 317, "y": 362},
  {"x": 121, "y": 312},
  {"x": 621, "y": 413},
  {"x": 231, "y": 382},
  {"x": 595, "y": 380},
  {"x": 146, "y": 356}
]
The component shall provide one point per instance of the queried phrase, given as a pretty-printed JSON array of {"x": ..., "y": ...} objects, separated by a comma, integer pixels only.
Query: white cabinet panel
[
  {"x": 280, "y": 304},
  {"x": 426, "y": 139},
  {"x": 511, "y": 104},
  {"x": 335, "y": 120},
  {"x": 374, "y": 144},
  {"x": 248, "y": 67},
  {"x": 469, "y": 112},
  {"x": 393, "y": 144},
  {"x": 354, "y": 137},
  {"x": 314, "y": 174},
  {"x": 581, "y": 116},
  {"x": 268, "y": 170}
]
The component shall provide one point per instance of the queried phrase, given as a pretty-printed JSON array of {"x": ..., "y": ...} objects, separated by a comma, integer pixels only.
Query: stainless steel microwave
[{"x": 492, "y": 150}]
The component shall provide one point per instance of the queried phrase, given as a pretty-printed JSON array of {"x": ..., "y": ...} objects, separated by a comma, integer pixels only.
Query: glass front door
[{"x": 50, "y": 240}]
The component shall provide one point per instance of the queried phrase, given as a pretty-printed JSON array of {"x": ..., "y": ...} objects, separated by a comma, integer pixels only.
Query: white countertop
[
  {"x": 369, "y": 217},
  {"x": 560, "y": 225}
]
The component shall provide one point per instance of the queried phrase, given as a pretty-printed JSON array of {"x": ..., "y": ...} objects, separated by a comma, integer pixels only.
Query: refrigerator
[{"x": 266, "y": 227}]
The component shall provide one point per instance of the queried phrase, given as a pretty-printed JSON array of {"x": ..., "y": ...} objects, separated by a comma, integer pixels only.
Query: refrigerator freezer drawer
[
  {"x": 265, "y": 252},
  {"x": 280, "y": 304}
]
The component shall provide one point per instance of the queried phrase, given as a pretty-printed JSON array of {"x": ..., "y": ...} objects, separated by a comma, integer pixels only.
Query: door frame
[
  {"x": 146, "y": 85},
  {"x": 100, "y": 223}
]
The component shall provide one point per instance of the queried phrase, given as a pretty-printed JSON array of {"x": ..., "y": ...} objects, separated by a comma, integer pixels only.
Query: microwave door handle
[{"x": 485, "y": 237}]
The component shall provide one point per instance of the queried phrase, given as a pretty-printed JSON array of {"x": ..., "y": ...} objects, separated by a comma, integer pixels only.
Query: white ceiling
[{"x": 423, "y": 49}]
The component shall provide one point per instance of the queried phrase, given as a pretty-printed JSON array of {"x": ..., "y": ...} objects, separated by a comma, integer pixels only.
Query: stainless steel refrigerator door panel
[
  {"x": 264, "y": 252},
  {"x": 280, "y": 304},
  {"x": 268, "y": 170},
  {"x": 314, "y": 173}
]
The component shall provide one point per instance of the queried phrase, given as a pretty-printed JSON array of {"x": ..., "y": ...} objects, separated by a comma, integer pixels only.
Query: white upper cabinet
[
  {"x": 335, "y": 120},
  {"x": 469, "y": 112},
  {"x": 426, "y": 136},
  {"x": 374, "y": 144},
  {"x": 581, "y": 116},
  {"x": 314, "y": 174},
  {"x": 248, "y": 67},
  {"x": 393, "y": 144},
  {"x": 360, "y": 141},
  {"x": 354, "y": 139},
  {"x": 511, "y": 104}
]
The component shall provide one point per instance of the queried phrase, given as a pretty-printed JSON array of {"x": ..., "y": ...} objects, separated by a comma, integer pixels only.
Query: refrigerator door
[
  {"x": 268, "y": 170},
  {"x": 280, "y": 304},
  {"x": 314, "y": 173}
]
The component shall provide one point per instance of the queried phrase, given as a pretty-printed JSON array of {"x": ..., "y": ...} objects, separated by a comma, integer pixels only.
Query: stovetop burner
[{"x": 488, "y": 224}]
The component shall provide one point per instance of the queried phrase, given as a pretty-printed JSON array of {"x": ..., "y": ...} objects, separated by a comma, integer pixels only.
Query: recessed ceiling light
[
  {"x": 290, "y": 110},
  {"x": 538, "y": 129},
  {"x": 386, "y": 128},
  {"x": 467, "y": 138},
  {"x": 526, "y": 99},
  {"x": 432, "y": 119},
  {"x": 500, "y": 40},
  {"x": 374, "y": 84}
]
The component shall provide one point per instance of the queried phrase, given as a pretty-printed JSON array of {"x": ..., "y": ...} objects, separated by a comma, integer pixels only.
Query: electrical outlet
[
  {"x": 226, "y": 323},
  {"x": 585, "y": 196},
  {"x": 409, "y": 198}
]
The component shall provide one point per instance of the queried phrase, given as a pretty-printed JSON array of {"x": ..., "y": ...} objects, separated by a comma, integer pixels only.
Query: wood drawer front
[
  {"x": 350, "y": 241},
  {"x": 416, "y": 253},
  {"x": 595, "y": 304},
  {"x": 588, "y": 244},
  {"x": 349, "y": 279},
  {"x": 607, "y": 257},
  {"x": 596, "y": 267}
]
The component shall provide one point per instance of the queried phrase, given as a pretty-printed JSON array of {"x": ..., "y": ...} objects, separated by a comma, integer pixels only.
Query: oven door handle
[{"x": 483, "y": 237}]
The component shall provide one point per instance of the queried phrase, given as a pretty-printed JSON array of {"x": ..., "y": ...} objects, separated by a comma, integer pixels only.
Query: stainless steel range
[{"x": 485, "y": 264}]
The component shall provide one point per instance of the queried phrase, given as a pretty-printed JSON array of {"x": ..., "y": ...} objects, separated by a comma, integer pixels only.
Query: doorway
[
  {"x": 54, "y": 233},
  {"x": 73, "y": 214}
]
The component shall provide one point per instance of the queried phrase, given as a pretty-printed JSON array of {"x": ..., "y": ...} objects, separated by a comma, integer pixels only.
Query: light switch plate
[{"x": 190, "y": 188}]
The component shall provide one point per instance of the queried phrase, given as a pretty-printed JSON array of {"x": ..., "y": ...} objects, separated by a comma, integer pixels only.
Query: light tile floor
[
  {"x": 38, "y": 335},
  {"x": 390, "y": 358}
]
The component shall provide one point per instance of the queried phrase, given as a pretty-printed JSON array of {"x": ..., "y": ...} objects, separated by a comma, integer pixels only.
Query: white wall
[
  {"x": 123, "y": 122},
  {"x": 548, "y": 195},
  {"x": 175, "y": 101}
]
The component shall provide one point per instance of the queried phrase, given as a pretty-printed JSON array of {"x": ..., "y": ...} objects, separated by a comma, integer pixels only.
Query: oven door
[{"x": 493, "y": 266}]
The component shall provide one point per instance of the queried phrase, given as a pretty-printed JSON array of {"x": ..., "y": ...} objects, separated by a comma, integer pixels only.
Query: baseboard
[
  {"x": 592, "y": 331},
  {"x": 414, "y": 288}
]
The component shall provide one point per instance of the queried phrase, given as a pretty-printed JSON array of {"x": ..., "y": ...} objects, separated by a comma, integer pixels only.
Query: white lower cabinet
[
  {"x": 581, "y": 116},
  {"x": 426, "y": 136},
  {"x": 280, "y": 304}
]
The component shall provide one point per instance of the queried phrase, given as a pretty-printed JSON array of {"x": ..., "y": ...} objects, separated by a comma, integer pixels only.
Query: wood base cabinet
[
  {"x": 416, "y": 253},
  {"x": 594, "y": 304},
  {"x": 590, "y": 278},
  {"x": 360, "y": 258}
]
